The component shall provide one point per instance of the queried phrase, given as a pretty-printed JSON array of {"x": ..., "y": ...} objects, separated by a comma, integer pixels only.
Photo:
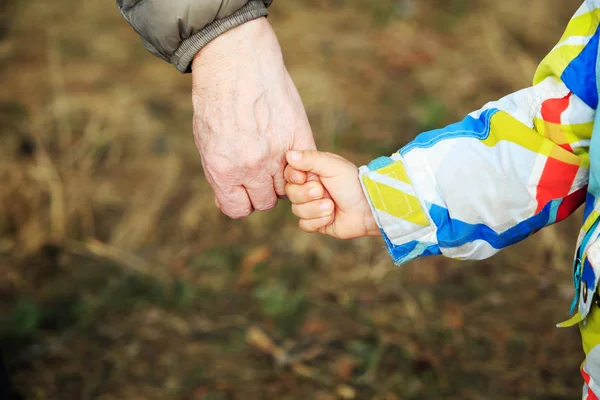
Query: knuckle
[
  {"x": 313, "y": 155},
  {"x": 290, "y": 192},
  {"x": 237, "y": 212},
  {"x": 314, "y": 188},
  {"x": 220, "y": 166},
  {"x": 295, "y": 210},
  {"x": 303, "y": 225},
  {"x": 303, "y": 193},
  {"x": 266, "y": 206},
  {"x": 279, "y": 178},
  {"x": 254, "y": 157},
  {"x": 239, "y": 215},
  {"x": 280, "y": 190}
]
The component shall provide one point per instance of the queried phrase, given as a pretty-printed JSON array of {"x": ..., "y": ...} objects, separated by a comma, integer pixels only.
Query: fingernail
[
  {"x": 294, "y": 155},
  {"x": 325, "y": 206},
  {"x": 315, "y": 193}
]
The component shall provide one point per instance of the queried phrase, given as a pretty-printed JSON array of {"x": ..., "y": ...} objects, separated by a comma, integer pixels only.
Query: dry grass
[{"x": 121, "y": 281}]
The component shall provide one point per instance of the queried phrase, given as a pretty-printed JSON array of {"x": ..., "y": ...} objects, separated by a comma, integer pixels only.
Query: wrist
[
  {"x": 369, "y": 222},
  {"x": 371, "y": 225},
  {"x": 248, "y": 40}
]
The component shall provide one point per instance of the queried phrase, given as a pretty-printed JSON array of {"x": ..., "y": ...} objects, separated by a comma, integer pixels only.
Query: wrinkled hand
[{"x": 247, "y": 114}]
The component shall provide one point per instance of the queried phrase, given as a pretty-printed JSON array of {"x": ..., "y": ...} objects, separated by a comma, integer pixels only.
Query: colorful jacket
[
  {"x": 506, "y": 171},
  {"x": 176, "y": 30}
]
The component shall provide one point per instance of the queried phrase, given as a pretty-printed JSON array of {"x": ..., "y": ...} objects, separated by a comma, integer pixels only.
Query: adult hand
[{"x": 247, "y": 115}]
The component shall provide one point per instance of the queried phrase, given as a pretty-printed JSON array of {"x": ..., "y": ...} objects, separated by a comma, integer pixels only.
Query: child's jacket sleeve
[{"x": 505, "y": 171}]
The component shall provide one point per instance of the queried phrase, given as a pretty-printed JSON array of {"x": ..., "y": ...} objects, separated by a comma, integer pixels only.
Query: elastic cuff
[
  {"x": 397, "y": 209},
  {"x": 183, "y": 56}
]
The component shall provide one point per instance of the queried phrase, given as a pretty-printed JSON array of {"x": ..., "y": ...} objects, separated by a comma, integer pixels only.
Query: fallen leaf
[
  {"x": 453, "y": 317},
  {"x": 250, "y": 262},
  {"x": 344, "y": 367},
  {"x": 200, "y": 392},
  {"x": 311, "y": 353},
  {"x": 346, "y": 392},
  {"x": 324, "y": 396},
  {"x": 257, "y": 338},
  {"x": 303, "y": 370},
  {"x": 314, "y": 326}
]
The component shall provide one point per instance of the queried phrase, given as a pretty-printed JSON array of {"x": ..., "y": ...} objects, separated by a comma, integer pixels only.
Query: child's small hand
[{"x": 335, "y": 204}]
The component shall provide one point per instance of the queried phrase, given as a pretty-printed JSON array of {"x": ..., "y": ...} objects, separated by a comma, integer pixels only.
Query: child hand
[{"x": 335, "y": 204}]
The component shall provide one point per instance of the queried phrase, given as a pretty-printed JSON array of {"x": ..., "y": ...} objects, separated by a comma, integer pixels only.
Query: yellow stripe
[
  {"x": 554, "y": 132},
  {"x": 574, "y": 320},
  {"x": 395, "y": 202},
  {"x": 573, "y": 132},
  {"x": 504, "y": 127},
  {"x": 589, "y": 221},
  {"x": 395, "y": 171},
  {"x": 582, "y": 25},
  {"x": 584, "y": 157},
  {"x": 570, "y": 134},
  {"x": 555, "y": 63},
  {"x": 579, "y": 131}
]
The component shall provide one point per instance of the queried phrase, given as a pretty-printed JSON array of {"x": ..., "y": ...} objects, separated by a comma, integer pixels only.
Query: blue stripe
[
  {"x": 590, "y": 201},
  {"x": 455, "y": 233},
  {"x": 477, "y": 128},
  {"x": 402, "y": 254},
  {"x": 553, "y": 212},
  {"x": 580, "y": 74},
  {"x": 594, "y": 178},
  {"x": 588, "y": 276},
  {"x": 379, "y": 163}
]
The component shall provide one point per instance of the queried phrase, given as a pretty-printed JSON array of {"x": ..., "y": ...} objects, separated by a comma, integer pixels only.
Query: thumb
[{"x": 325, "y": 165}]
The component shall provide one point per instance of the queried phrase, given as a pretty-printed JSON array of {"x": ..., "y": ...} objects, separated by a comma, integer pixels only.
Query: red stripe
[
  {"x": 567, "y": 147},
  {"x": 571, "y": 203},
  {"x": 586, "y": 378},
  {"x": 555, "y": 182},
  {"x": 552, "y": 109}
]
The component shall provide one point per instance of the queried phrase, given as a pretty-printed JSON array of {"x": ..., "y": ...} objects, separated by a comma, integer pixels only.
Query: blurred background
[{"x": 120, "y": 280}]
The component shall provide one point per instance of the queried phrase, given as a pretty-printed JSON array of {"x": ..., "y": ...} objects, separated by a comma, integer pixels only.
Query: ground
[{"x": 120, "y": 280}]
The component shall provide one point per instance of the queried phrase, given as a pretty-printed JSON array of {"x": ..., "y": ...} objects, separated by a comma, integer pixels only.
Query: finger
[
  {"x": 313, "y": 209},
  {"x": 292, "y": 175},
  {"x": 262, "y": 193},
  {"x": 323, "y": 164},
  {"x": 234, "y": 202},
  {"x": 303, "y": 135},
  {"x": 311, "y": 177},
  {"x": 217, "y": 203},
  {"x": 303, "y": 140},
  {"x": 279, "y": 183},
  {"x": 314, "y": 225},
  {"x": 300, "y": 194}
]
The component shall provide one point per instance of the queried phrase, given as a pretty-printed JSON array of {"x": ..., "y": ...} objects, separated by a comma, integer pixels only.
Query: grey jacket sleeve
[{"x": 175, "y": 30}]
